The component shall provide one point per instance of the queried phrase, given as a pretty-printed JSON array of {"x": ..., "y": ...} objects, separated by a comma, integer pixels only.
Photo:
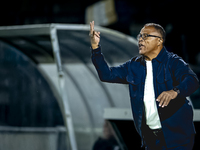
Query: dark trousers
[
  {"x": 153, "y": 141},
  {"x": 157, "y": 142}
]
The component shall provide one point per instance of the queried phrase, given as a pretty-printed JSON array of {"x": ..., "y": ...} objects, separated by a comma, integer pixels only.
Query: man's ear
[{"x": 160, "y": 42}]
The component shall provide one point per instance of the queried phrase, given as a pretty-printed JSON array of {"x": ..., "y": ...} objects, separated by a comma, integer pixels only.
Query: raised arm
[{"x": 106, "y": 74}]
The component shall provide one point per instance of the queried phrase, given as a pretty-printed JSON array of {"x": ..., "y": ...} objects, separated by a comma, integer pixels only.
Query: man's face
[{"x": 150, "y": 44}]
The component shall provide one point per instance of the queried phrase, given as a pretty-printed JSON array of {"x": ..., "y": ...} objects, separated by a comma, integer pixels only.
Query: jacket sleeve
[
  {"x": 187, "y": 80},
  {"x": 108, "y": 74}
]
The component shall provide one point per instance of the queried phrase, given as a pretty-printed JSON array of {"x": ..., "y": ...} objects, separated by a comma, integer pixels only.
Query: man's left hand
[{"x": 165, "y": 97}]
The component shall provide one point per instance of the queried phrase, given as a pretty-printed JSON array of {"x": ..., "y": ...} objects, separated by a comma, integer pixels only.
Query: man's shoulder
[
  {"x": 134, "y": 60},
  {"x": 174, "y": 58},
  {"x": 137, "y": 58},
  {"x": 172, "y": 55}
]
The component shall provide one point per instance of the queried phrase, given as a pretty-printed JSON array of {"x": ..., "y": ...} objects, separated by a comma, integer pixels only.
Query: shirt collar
[{"x": 162, "y": 55}]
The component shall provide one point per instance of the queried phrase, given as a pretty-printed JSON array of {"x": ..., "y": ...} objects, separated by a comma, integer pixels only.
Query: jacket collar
[
  {"x": 160, "y": 58},
  {"x": 162, "y": 55}
]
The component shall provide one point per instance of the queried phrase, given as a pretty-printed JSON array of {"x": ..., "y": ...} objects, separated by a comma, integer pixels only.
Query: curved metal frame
[{"x": 51, "y": 30}]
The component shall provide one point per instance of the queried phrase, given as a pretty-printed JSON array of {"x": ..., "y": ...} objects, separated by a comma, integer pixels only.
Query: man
[
  {"x": 107, "y": 141},
  {"x": 159, "y": 82}
]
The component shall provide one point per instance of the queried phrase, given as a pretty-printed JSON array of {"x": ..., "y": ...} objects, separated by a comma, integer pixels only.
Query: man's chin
[{"x": 141, "y": 52}]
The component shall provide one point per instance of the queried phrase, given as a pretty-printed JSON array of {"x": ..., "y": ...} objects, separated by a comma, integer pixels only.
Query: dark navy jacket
[{"x": 169, "y": 71}]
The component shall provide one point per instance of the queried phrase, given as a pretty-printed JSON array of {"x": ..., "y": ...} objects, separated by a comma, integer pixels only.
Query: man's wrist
[
  {"x": 176, "y": 90},
  {"x": 94, "y": 46},
  {"x": 96, "y": 51}
]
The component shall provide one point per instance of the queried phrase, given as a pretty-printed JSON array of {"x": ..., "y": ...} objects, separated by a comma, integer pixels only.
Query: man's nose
[{"x": 140, "y": 39}]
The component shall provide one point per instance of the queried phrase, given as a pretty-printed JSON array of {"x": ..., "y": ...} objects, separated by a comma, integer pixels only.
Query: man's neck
[{"x": 153, "y": 54}]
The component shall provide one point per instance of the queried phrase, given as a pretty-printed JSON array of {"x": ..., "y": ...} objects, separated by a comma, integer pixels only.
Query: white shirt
[{"x": 152, "y": 118}]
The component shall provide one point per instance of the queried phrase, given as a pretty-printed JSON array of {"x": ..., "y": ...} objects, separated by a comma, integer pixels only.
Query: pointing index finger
[{"x": 91, "y": 27}]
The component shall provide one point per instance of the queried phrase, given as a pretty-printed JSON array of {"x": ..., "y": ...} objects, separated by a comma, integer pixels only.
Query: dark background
[{"x": 179, "y": 18}]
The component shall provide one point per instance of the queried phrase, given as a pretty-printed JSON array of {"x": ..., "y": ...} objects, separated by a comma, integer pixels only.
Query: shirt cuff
[{"x": 96, "y": 51}]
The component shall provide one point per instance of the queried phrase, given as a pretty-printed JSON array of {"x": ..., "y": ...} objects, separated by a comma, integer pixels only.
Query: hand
[
  {"x": 165, "y": 97},
  {"x": 94, "y": 36}
]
